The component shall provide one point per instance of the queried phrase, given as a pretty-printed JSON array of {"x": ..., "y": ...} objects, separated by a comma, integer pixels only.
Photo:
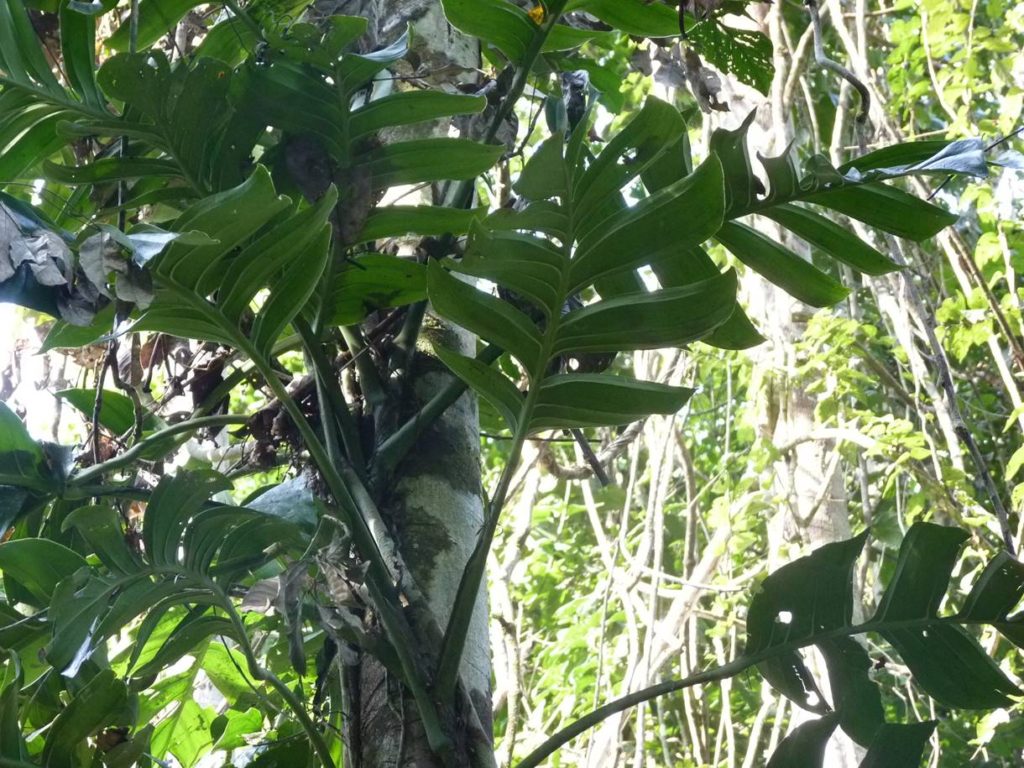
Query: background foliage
[{"x": 233, "y": 184}]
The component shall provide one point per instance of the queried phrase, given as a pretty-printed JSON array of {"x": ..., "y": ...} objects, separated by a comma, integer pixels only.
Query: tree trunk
[{"x": 434, "y": 507}]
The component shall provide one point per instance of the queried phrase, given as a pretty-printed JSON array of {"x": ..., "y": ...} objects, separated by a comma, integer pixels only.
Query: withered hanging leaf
[{"x": 704, "y": 83}]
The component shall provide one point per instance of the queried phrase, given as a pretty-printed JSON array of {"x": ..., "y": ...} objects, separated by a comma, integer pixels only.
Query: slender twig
[
  {"x": 835, "y": 66},
  {"x": 728, "y": 670},
  {"x": 139, "y": 448}
]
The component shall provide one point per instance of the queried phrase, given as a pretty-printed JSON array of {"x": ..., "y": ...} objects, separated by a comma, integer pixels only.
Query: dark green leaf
[
  {"x": 854, "y": 694},
  {"x": 488, "y": 317},
  {"x": 528, "y": 265},
  {"x": 997, "y": 591},
  {"x": 500, "y": 23},
  {"x": 176, "y": 498},
  {"x": 373, "y": 282},
  {"x": 420, "y": 160},
  {"x": 887, "y": 209},
  {"x": 809, "y": 595},
  {"x": 601, "y": 400},
  {"x": 670, "y": 317},
  {"x": 676, "y": 217},
  {"x": 951, "y": 667},
  {"x": 407, "y": 107},
  {"x": 804, "y": 747},
  {"x": 156, "y": 18},
  {"x": 93, "y": 707},
  {"x": 38, "y": 565},
  {"x": 110, "y": 169},
  {"x": 634, "y": 17},
  {"x": 836, "y": 241},
  {"x": 63, "y": 335},
  {"x": 435, "y": 221},
  {"x": 22, "y": 461},
  {"x": 797, "y": 277},
  {"x": 898, "y": 746},
  {"x": 487, "y": 382},
  {"x": 926, "y": 559},
  {"x": 545, "y": 175},
  {"x": 12, "y": 743},
  {"x": 102, "y": 529},
  {"x": 117, "y": 414}
]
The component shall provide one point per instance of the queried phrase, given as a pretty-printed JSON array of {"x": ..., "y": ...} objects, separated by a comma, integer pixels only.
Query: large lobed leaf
[{"x": 810, "y": 602}]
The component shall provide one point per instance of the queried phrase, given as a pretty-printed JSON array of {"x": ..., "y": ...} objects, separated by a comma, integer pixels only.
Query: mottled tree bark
[{"x": 434, "y": 506}]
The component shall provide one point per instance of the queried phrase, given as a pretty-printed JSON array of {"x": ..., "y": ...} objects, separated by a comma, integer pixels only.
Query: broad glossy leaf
[
  {"x": 432, "y": 220},
  {"x": 176, "y": 498},
  {"x": 670, "y": 317},
  {"x": 855, "y": 696},
  {"x": 21, "y": 55},
  {"x": 185, "y": 638},
  {"x": 78, "y": 49},
  {"x": 836, "y": 241},
  {"x": 22, "y": 461},
  {"x": 888, "y": 209},
  {"x": 93, "y": 707},
  {"x": 690, "y": 265},
  {"x": 528, "y": 265},
  {"x": 37, "y": 565},
  {"x": 545, "y": 175},
  {"x": 110, "y": 169},
  {"x": 63, "y": 335},
  {"x": 898, "y": 746},
  {"x": 926, "y": 559},
  {"x": 742, "y": 187},
  {"x": 156, "y": 18},
  {"x": 951, "y": 667},
  {"x": 490, "y": 318},
  {"x": 789, "y": 675},
  {"x": 294, "y": 245},
  {"x": 946, "y": 661},
  {"x": 487, "y": 382},
  {"x": 797, "y": 277},
  {"x": 117, "y": 413},
  {"x": 634, "y": 17},
  {"x": 601, "y": 400},
  {"x": 997, "y": 591},
  {"x": 805, "y": 746},
  {"x": 75, "y": 613},
  {"x": 420, "y": 160},
  {"x": 12, "y": 743},
  {"x": 408, "y": 107},
  {"x": 676, "y": 217},
  {"x": 373, "y": 282},
  {"x": 807, "y": 596},
  {"x": 643, "y": 142},
  {"x": 500, "y": 23},
  {"x": 102, "y": 529},
  {"x": 964, "y": 156}
]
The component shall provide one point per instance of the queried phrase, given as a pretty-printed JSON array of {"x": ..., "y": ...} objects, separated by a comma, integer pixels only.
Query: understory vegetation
[{"x": 511, "y": 383}]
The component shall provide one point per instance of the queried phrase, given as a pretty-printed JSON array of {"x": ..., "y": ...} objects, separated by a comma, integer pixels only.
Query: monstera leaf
[
  {"x": 810, "y": 602},
  {"x": 576, "y": 235}
]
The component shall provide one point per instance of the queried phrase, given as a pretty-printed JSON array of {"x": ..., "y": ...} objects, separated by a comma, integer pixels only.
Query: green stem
[
  {"x": 395, "y": 448},
  {"x": 379, "y": 580},
  {"x": 248, "y": 20},
  {"x": 334, "y": 411},
  {"x": 263, "y": 674},
  {"x": 136, "y": 451},
  {"x": 730, "y": 669},
  {"x": 369, "y": 377}
]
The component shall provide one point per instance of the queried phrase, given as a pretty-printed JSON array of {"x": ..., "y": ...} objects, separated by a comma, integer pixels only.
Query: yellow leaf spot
[{"x": 536, "y": 14}]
